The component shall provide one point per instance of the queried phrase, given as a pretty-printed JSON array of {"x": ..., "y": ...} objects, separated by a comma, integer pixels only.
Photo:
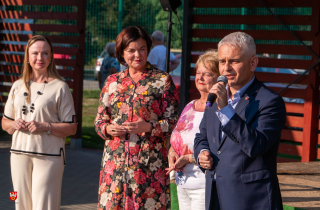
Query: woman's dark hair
[{"x": 128, "y": 35}]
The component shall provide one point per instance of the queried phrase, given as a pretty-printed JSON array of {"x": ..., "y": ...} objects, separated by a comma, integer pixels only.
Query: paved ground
[
  {"x": 90, "y": 85},
  {"x": 300, "y": 184},
  {"x": 80, "y": 178}
]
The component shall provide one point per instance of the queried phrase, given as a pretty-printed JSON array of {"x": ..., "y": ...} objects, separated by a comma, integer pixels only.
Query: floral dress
[{"x": 132, "y": 174}]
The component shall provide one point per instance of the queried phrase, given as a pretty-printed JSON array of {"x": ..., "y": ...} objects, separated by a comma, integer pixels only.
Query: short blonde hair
[{"x": 209, "y": 59}]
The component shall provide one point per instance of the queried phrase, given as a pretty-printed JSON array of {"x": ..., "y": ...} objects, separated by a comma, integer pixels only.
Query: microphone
[{"x": 212, "y": 97}]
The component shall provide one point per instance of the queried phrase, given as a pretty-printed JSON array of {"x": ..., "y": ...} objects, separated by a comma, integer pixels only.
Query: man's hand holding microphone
[{"x": 218, "y": 94}]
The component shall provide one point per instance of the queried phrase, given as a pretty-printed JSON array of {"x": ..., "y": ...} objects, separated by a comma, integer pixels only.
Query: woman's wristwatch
[{"x": 49, "y": 130}]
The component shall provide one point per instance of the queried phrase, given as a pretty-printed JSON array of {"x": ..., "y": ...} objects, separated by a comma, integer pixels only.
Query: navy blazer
[{"x": 245, "y": 158}]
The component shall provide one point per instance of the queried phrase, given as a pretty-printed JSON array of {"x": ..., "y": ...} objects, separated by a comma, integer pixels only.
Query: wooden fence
[{"x": 300, "y": 139}]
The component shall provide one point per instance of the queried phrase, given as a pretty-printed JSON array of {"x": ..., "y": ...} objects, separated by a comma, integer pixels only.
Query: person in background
[
  {"x": 39, "y": 113},
  {"x": 109, "y": 64},
  {"x": 138, "y": 110},
  {"x": 157, "y": 56},
  {"x": 190, "y": 179}
]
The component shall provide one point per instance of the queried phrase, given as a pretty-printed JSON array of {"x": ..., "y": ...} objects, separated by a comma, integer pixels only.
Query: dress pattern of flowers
[
  {"x": 132, "y": 174},
  {"x": 182, "y": 141}
]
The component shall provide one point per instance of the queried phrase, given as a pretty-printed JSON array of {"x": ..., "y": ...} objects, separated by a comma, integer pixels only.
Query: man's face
[{"x": 237, "y": 66}]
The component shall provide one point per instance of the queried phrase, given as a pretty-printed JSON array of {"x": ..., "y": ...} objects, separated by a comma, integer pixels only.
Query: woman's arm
[
  {"x": 57, "y": 129},
  {"x": 102, "y": 122},
  {"x": 11, "y": 125},
  {"x": 169, "y": 107},
  {"x": 63, "y": 129},
  {"x": 173, "y": 157}
]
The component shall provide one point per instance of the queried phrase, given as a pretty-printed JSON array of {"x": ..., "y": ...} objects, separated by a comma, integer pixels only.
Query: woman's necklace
[
  {"x": 199, "y": 105},
  {"x": 24, "y": 107}
]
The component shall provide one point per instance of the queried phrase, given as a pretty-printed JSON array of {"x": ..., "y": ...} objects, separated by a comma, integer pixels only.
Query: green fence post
[{"x": 120, "y": 16}]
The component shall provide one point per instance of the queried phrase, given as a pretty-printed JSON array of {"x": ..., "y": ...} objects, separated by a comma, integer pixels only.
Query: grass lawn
[
  {"x": 174, "y": 197},
  {"x": 90, "y": 138},
  {"x": 290, "y": 208}
]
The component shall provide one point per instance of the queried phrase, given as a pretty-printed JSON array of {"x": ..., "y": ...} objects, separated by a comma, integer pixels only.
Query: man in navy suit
[{"x": 239, "y": 135}]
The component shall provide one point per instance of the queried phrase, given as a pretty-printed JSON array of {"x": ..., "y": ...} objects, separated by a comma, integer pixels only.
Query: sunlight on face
[
  {"x": 205, "y": 78},
  {"x": 39, "y": 56},
  {"x": 136, "y": 54},
  {"x": 236, "y": 66}
]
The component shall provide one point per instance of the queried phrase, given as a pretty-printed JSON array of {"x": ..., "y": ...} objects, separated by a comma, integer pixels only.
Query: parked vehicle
[
  {"x": 61, "y": 56},
  {"x": 98, "y": 63}
]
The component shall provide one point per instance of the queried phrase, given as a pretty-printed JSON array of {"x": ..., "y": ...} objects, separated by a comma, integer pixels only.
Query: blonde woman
[
  {"x": 38, "y": 114},
  {"x": 189, "y": 178}
]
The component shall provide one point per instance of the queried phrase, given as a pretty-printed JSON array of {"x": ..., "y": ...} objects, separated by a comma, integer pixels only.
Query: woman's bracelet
[{"x": 172, "y": 151}]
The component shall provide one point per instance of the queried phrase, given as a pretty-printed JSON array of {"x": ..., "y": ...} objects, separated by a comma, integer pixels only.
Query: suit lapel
[
  {"x": 248, "y": 96},
  {"x": 244, "y": 101},
  {"x": 217, "y": 126},
  {"x": 214, "y": 126}
]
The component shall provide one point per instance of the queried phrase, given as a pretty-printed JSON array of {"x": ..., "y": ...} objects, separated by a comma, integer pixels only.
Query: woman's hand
[
  {"x": 19, "y": 125},
  {"x": 34, "y": 126},
  {"x": 116, "y": 130},
  {"x": 180, "y": 163},
  {"x": 139, "y": 126},
  {"x": 173, "y": 157}
]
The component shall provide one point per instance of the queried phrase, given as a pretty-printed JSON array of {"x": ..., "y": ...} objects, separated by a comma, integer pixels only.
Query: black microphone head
[{"x": 223, "y": 78}]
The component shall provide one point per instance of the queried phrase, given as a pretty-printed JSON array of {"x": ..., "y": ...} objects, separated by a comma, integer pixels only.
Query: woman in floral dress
[{"x": 138, "y": 111}]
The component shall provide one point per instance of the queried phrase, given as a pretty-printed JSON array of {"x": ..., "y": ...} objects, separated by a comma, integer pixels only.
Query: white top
[
  {"x": 55, "y": 105},
  {"x": 157, "y": 56},
  {"x": 182, "y": 140}
]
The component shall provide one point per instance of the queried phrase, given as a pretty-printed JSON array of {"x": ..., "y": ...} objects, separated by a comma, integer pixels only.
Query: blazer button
[{"x": 219, "y": 152}]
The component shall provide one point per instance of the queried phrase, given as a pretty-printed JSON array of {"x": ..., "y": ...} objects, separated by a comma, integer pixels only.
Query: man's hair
[
  {"x": 110, "y": 48},
  {"x": 158, "y": 36},
  {"x": 242, "y": 40}
]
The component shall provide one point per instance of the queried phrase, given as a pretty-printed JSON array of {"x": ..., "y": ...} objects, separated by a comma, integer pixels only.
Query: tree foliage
[{"x": 102, "y": 22}]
